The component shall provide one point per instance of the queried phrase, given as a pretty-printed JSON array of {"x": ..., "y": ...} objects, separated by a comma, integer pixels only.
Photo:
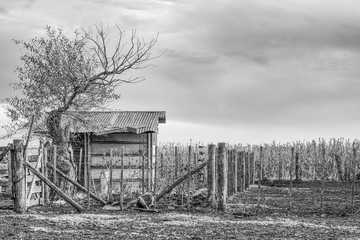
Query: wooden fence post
[
  {"x": 247, "y": 171},
  {"x": 280, "y": 167},
  {"x": 45, "y": 172},
  {"x": 176, "y": 162},
  {"x": 110, "y": 187},
  {"x": 85, "y": 160},
  {"x": 231, "y": 172},
  {"x": 353, "y": 180},
  {"x": 297, "y": 167},
  {"x": 212, "y": 174},
  {"x": 235, "y": 159},
  {"x": 80, "y": 163},
  {"x": 189, "y": 178},
  {"x": 252, "y": 167},
  {"x": 323, "y": 152},
  {"x": 11, "y": 168},
  {"x": 142, "y": 173},
  {"x": 161, "y": 165},
  {"x": 240, "y": 171},
  {"x": 55, "y": 164},
  {"x": 122, "y": 178},
  {"x": 291, "y": 177},
  {"x": 19, "y": 183},
  {"x": 155, "y": 173},
  {"x": 243, "y": 171},
  {"x": 222, "y": 177},
  {"x": 260, "y": 174},
  {"x": 88, "y": 170}
]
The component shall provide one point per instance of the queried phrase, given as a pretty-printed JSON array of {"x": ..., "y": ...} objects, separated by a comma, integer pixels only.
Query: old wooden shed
[{"x": 110, "y": 135}]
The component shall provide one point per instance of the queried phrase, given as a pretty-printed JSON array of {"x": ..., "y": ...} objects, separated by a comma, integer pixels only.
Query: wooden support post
[
  {"x": 230, "y": 173},
  {"x": 45, "y": 172},
  {"x": 189, "y": 179},
  {"x": 212, "y": 174},
  {"x": 176, "y": 162},
  {"x": 149, "y": 162},
  {"x": 235, "y": 159},
  {"x": 55, "y": 188},
  {"x": 291, "y": 177},
  {"x": 88, "y": 173},
  {"x": 162, "y": 165},
  {"x": 247, "y": 164},
  {"x": 259, "y": 174},
  {"x": 243, "y": 169},
  {"x": 55, "y": 164},
  {"x": 85, "y": 160},
  {"x": 11, "y": 168},
  {"x": 110, "y": 187},
  {"x": 222, "y": 177},
  {"x": 353, "y": 180},
  {"x": 155, "y": 174},
  {"x": 297, "y": 167},
  {"x": 252, "y": 168},
  {"x": 323, "y": 151},
  {"x": 19, "y": 183},
  {"x": 148, "y": 173},
  {"x": 122, "y": 179},
  {"x": 142, "y": 174},
  {"x": 239, "y": 156},
  {"x": 280, "y": 167},
  {"x": 80, "y": 165}
]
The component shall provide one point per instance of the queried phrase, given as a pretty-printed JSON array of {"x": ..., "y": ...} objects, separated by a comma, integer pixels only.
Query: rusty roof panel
[{"x": 120, "y": 121}]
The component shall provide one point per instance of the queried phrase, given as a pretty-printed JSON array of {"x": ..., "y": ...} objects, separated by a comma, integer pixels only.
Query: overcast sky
[{"x": 235, "y": 71}]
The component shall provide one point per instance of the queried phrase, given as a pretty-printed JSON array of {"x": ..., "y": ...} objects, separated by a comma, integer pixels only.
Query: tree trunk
[{"x": 61, "y": 137}]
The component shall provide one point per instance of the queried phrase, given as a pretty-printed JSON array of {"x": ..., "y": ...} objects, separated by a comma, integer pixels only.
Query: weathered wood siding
[{"x": 135, "y": 147}]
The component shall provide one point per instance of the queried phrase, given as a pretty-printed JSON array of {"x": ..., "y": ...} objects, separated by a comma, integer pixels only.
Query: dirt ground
[{"x": 337, "y": 219}]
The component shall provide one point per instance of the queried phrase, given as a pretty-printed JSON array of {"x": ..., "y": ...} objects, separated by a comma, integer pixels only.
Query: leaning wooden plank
[
  {"x": 180, "y": 180},
  {"x": 77, "y": 185},
  {"x": 33, "y": 178},
  {"x": 3, "y": 154},
  {"x": 55, "y": 188}
]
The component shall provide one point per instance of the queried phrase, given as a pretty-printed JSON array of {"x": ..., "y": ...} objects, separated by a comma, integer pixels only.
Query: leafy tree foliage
[{"x": 61, "y": 76}]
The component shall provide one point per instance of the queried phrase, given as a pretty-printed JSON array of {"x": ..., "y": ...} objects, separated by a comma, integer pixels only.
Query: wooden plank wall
[{"x": 135, "y": 146}]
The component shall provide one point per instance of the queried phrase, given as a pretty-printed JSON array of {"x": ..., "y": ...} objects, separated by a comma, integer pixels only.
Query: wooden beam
[
  {"x": 79, "y": 186},
  {"x": 212, "y": 174},
  {"x": 180, "y": 180},
  {"x": 54, "y": 187}
]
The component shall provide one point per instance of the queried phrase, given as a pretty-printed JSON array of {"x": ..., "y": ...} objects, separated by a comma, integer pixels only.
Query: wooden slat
[
  {"x": 119, "y": 142},
  {"x": 99, "y": 148},
  {"x": 128, "y": 173},
  {"x": 35, "y": 189},
  {"x": 32, "y": 151},
  {"x": 117, "y": 137},
  {"x": 33, "y": 177},
  {"x": 135, "y": 167},
  {"x": 103, "y": 161}
]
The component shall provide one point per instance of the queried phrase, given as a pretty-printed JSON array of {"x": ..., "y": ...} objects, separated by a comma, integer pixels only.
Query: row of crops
[
  {"x": 326, "y": 170},
  {"x": 333, "y": 159}
]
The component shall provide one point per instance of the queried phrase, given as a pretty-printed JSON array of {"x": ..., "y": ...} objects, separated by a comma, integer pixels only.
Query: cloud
[{"x": 268, "y": 64}]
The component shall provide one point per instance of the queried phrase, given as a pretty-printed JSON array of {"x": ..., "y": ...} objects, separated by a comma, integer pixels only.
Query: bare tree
[{"x": 61, "y": 76}]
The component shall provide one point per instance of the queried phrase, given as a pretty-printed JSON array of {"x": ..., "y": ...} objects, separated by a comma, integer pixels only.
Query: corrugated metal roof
[{"x": 119, "y": 121}]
